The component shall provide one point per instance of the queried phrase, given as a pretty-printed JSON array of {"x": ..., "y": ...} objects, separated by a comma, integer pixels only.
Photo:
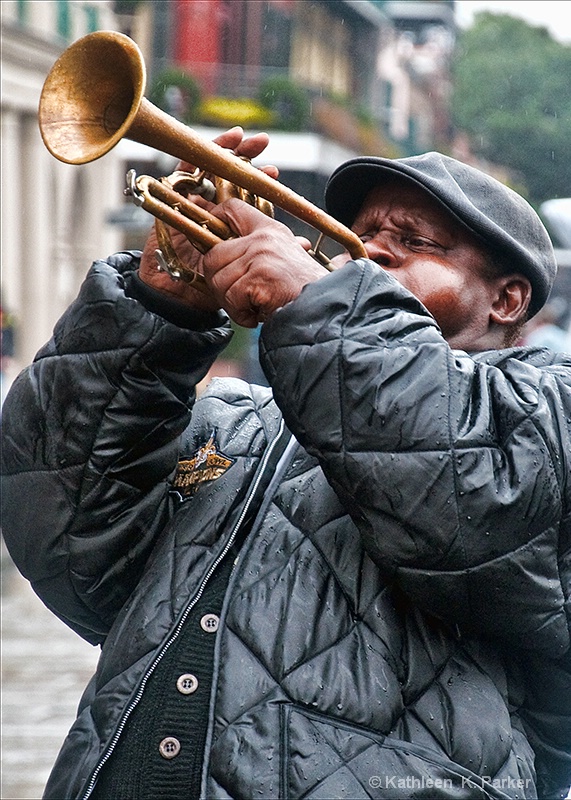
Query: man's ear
[{"x": 512, "y": 298}]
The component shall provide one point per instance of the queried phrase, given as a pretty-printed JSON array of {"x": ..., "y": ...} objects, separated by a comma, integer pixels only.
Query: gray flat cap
[{"x": 495, "y": 213}]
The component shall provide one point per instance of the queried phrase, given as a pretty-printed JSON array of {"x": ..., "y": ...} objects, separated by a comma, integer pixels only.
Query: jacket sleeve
[
  {"x": 455, "y": 470},
  {"x": 90, "y": 435}
]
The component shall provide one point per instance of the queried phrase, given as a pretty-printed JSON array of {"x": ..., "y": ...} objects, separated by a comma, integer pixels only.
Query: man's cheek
[{"x": 448, "y": 309}]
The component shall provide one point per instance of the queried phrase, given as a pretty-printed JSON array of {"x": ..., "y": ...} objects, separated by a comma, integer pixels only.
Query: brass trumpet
[{"x": 94, "y": 96}]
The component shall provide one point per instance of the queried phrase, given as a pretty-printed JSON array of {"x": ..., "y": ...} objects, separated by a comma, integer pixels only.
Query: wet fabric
[{"x": 398, "y": 620}]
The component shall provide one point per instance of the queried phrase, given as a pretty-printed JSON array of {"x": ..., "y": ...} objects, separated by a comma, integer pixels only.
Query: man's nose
[{"x": 381, "y": 250}]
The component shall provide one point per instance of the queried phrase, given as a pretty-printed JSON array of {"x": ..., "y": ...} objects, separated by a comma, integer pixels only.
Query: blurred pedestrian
[
  {"x": 7, "y": 350},
  {"x": 544, "y": 331}
]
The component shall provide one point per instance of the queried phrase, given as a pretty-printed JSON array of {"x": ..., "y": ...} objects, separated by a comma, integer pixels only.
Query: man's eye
[{"x": 418, "y": 242}]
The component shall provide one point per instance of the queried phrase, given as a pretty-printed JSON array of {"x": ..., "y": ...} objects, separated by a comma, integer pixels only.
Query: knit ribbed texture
[{"x": 136, "y": 770}]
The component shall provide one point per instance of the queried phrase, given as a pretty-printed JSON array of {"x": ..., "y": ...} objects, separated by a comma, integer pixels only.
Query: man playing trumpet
[{"x": 353, "y": 584}]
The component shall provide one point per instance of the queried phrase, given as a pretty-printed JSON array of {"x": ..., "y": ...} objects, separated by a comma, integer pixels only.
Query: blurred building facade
[
  {"x": 374, "y": 74},
  {"x": 329, "y": 79},
  {"x": 53, "y": 214}
]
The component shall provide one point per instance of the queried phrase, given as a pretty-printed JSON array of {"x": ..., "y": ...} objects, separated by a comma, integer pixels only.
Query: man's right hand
[{"x": 180, "y": 290}]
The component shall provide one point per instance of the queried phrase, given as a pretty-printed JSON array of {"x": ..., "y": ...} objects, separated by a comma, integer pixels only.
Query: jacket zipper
[{"x": 132, "y": 705}]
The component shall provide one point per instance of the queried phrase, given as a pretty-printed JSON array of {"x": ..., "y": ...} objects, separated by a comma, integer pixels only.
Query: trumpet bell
[{"x": 91, "y": 98}]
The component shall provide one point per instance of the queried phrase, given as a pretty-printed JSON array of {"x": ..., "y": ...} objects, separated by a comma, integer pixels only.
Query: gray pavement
[{"x": 45, "y": 667}]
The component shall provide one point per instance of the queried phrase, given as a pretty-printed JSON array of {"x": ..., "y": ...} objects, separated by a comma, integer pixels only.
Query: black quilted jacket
[{"x": 397, "y": 622}]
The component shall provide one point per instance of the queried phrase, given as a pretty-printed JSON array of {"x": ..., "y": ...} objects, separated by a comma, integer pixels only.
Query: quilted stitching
[{"x": 420, "y": 685}]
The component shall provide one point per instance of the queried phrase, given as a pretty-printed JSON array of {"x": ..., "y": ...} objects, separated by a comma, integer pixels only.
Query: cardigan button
[
  {"x": 187, "y": 683},
  {"x": 169, "y": 747},
  {"x": 209, "y": 623}
]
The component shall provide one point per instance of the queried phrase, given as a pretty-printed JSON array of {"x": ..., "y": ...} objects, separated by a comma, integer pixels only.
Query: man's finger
[
  {"x": 253, "y": 145},
  {"x": 271, "y": 170},
  {"x": 304, "y": 242},
  {"x": 230, "y": 139},
  {"x": 243, "y": 218}
]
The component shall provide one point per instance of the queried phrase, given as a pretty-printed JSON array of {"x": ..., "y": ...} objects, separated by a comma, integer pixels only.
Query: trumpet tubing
[{"x": 94, "y": 96}]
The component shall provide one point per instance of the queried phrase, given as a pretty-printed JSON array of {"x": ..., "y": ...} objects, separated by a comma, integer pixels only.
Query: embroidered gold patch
[{"x": 207, "y": 464}]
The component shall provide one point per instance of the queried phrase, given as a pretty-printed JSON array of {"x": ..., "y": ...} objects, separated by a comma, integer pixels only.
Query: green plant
[
  {"x": 287, "y": 100},
  {"x": 177, "y": 93}
]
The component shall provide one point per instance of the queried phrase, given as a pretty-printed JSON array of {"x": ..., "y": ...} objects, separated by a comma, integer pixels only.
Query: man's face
[{"x": 422, "y": 245}]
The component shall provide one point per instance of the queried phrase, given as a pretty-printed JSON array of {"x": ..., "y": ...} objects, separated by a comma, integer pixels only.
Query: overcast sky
[{"x": 552, "y": 14}]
